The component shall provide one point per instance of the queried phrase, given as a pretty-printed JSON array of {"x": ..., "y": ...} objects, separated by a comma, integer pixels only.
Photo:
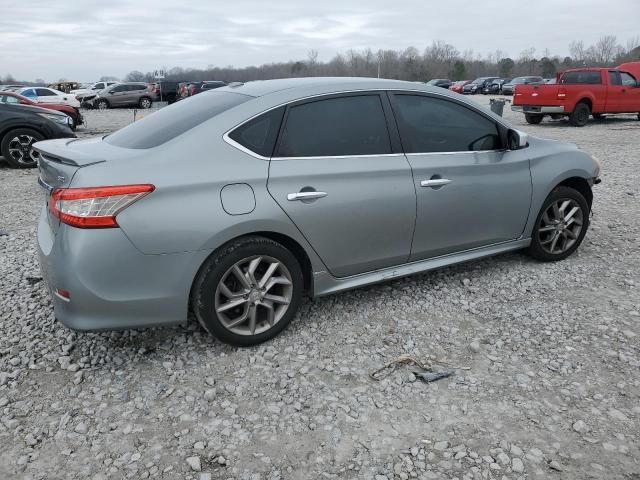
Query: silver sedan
[{"x": 235, "y": 203}]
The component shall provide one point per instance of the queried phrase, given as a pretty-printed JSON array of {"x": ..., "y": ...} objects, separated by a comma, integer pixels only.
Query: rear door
[
  {"x": 341, "y": 178},
  {"x": 470, "y": 191},
  {"x": 630, "y": 95},
  {"x": 48, "y": 96}
]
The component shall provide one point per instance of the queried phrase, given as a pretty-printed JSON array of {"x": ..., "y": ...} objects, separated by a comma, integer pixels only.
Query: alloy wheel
[
  {"x": 253, "y": 295},
  {"x": 21, "y": 150},
  {"x": 560, "y": 226}
]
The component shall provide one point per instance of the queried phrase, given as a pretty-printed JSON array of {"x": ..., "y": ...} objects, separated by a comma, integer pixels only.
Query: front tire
[
  {"x": 102, "y": 105},
  {"x": 560, "y": 226},
  {"x": 145, "y": 102},
  {"x": 533, "y": 118},
  {"x": 17, "y": 147},
  {"x": 580, "y": 116},
  {"x": 248, "y": 291}
]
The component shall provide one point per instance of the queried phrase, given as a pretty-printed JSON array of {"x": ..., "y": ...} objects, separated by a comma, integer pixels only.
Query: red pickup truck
[{"x": 581, "y": 92}]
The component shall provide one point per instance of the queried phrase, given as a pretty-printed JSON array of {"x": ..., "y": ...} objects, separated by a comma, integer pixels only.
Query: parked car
[
  {"x": 91, "y": 89},
  {"x": 457, "y": 86},
  {"x": 130, "y": 94},
  {"x": 65, "y": 87},
  {"x": 15, "y": 99},
  {"x": 477, "y": 86},
  {"x": 48, "y": 95},
  {"x": 197, "y": 87},
  {"x": 495, "y": 87},
  {"x": 582, "y": 92},
  {"x": 440, "y": 82},
  {"x": 509, "y": 87},
  {"x": 240, "y": 228},
  {"x": 23, "y": 125},
  {"x": 165, "y": 91},
  {"x": 9, "y": 88}
]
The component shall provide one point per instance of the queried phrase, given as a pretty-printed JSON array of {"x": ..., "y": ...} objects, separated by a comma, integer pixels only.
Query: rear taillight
[
  {"x": 94, "y": 207},
  {"x": 192, "y": 91}
]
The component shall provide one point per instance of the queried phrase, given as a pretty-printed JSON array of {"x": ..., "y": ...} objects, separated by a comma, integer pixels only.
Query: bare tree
[{"x": 605, "y": 50}]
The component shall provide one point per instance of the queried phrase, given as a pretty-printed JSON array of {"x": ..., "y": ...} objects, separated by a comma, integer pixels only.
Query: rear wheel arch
[
  {"x": 286, "y": 241},
  {"x": 20, "y": 126},
  {"x": 587, "y": 101}
]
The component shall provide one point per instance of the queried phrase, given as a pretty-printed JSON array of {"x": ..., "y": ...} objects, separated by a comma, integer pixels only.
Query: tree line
[{"x": 439, "y": 60}]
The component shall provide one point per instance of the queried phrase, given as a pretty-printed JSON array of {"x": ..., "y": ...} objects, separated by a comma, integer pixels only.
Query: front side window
[
  {"x": 259, "y": 135},
  {"x": 430, "y": 125},
  {"x": 29, "y": 93},
  {"x": 119, "y": 88},
  {"x": 353, "y": 125},
  {"x": 627, "y": 80}
]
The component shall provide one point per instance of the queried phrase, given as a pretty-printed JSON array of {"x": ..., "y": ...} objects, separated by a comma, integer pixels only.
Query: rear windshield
[{"x": 169, "y": 122}]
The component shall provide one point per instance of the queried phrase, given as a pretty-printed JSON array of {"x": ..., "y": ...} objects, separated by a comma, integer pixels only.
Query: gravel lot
[{"x": 552, "y": 389}]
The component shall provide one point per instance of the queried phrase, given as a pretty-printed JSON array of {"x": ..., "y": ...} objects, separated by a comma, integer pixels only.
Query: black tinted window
[
  {"x": 135, "y": 88},
  {"x": 337, "y": 126},
  {"x": 169, "y": 122},
  {"x": 119, "y": 88},
  {"x": 433, "y": 125},
  {"x": 43, "y": 92},
  {"x": 259, "y": 135},
  {"x": 614, "y": 78},
  {"x": 583, "y": 77}
]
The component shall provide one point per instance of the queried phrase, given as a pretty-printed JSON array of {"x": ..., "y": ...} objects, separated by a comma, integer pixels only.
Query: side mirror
[{"x": 517, "y": 139}]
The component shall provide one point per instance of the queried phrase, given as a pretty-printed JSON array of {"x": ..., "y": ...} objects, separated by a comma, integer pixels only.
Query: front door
[
  {"x": 470, "y": 191},
  {"x": 337, "y": 177}
]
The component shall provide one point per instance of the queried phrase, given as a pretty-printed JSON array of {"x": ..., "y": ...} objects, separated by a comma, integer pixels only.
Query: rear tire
[
  {"x": 543, "y": 247},
  {"x": 580, "y": 116},
  {"x": 247, "y": 291},
  {"x": 533, "y": 118},
  {"x": 17, "y": 150}
]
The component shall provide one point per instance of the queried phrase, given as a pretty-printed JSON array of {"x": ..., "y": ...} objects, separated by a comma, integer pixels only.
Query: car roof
[{"x": 322, "y": 85}]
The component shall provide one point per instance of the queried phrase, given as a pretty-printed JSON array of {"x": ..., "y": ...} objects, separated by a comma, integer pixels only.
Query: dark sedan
[
  {"x": 509, "y": 87},
  {"x": 440, "y": 82},
  {"x": 477, "y": 86},
  {"x": 22, "y": 126}
]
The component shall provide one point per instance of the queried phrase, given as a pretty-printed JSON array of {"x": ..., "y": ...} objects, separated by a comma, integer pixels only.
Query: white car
[
  {"x": 48, "y": 95},
  {"x": 91, "y": 88}
]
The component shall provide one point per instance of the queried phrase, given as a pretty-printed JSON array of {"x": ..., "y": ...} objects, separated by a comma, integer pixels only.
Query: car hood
[{"x": 34, "y": 109}]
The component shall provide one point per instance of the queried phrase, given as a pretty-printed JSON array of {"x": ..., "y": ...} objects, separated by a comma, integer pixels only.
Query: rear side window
[
  {"x": 169, "y": 122},
  {"x": 581, "y": 78},
  {"x": 627, "y": 80},
  {"x": 430, "y": 124},
  {"x": 614, "y": 78},
  {"x": 334, "y": 127},
  {"x": 43, "y": 92},
  {"x": 259, "y": 135}
]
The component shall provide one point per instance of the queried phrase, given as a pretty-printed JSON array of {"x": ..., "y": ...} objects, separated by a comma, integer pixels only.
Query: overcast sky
[{"x": 85, "y": 40}]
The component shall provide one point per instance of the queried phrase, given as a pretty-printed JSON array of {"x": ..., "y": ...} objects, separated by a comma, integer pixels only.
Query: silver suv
[{"x": 131, "y": 94}]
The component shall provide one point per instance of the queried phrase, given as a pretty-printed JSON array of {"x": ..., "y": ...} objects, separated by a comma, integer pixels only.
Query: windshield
[
  {"x": 519, "y": 80},
  {"x": 169, "y": 122}
]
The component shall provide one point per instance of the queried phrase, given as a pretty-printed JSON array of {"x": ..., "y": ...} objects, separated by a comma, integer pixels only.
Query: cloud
[{"x": 85, "y": 40}]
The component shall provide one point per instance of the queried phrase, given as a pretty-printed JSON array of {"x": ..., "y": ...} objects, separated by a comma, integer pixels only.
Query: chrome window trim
[{"x": 243, "y": 149}]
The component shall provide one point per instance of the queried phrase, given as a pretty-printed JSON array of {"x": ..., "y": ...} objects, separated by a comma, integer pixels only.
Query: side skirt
[{"x": 324, "y": 283}]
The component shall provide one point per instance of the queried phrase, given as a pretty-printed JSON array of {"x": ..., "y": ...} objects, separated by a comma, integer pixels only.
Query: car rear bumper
[
  {"x": 111, "y": 284},
  {"x": 538, "y": 109}
]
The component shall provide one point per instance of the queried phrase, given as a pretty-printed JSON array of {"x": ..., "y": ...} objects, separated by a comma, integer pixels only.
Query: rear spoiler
[{"x": 58, "y": 151}]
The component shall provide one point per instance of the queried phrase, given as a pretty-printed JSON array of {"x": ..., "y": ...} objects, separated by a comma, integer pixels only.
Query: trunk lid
[{"x": 57, "y": 165}]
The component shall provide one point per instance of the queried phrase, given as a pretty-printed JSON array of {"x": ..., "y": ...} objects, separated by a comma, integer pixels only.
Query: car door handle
[
  {"x": 305, "y": 196},
  {"x": 436, "y": 182}
]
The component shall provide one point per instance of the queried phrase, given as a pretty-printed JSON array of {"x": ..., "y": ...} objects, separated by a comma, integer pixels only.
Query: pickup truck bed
[{"x": 579, "y": 93}]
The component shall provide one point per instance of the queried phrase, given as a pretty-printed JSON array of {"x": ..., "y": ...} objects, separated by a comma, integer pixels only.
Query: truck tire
[
  {"x": 533, "y": 118},
  {"x": 580, "y": 115}
]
